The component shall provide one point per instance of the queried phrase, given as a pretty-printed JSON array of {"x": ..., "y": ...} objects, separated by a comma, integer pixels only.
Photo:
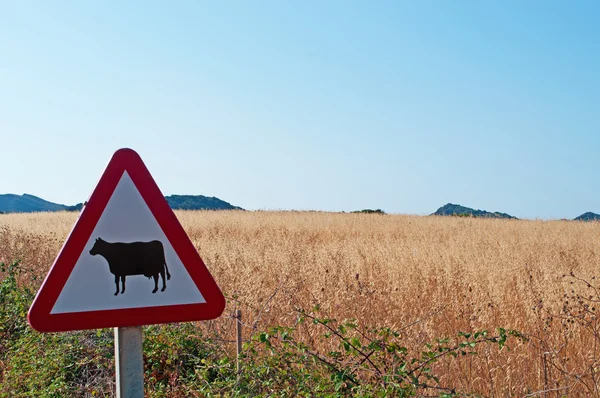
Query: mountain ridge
[
  {"x": 26, "y": 203},
  {"x": 11, "y": 203}
]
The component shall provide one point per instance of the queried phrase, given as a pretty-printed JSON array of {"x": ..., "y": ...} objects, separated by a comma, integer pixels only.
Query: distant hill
[
  {"x": 198, "y": 202},
  {"x": 589, "y": 216},
  {"x": 462, "y": 211},
  {"x": 25, "y": 203},
  {"x": 10, "y": 203}
]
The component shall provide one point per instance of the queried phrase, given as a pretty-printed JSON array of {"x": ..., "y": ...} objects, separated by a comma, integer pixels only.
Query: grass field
[{"x": 425, "y": 277}]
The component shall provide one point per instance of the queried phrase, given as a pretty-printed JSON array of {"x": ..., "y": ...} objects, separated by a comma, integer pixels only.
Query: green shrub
[
  {"x": 370, "y": 211},
  {"x": 181, "y": 362},
  {"x": 48, "y": 365}
]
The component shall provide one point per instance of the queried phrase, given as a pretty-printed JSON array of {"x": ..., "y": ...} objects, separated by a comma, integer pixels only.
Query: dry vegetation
[{"x": 427, "y": 276}]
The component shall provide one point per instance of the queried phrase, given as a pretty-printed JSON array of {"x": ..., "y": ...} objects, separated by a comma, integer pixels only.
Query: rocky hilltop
[
  {"x": 462, "y": 211},
  {"x": 589, "y": 216}
]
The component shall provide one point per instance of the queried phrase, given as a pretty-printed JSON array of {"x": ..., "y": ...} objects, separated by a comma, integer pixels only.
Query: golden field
[{"x": 428, "y": 277}]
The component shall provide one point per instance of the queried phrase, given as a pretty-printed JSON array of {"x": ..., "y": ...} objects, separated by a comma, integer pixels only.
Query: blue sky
[{"x": 336, "y": 105}]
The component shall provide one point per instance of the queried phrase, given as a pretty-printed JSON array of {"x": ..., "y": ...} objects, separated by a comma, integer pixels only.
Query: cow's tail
[{"x": 167, "y": 268}]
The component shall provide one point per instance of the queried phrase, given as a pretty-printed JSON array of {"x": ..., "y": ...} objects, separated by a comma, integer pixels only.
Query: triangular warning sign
[{"x": 127, "y": 261}]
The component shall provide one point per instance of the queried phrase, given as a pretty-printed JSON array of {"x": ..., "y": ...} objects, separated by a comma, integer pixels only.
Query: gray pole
[
  {"x": 129, "y": 361},
  {"x": 238, "y": 323}
]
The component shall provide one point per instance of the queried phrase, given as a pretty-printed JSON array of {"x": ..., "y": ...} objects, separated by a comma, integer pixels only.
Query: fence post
[{"x": 238, "y": 323}]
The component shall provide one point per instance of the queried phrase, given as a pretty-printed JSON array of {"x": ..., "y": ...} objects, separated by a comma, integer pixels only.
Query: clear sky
[{"x": 325, "y": 105}]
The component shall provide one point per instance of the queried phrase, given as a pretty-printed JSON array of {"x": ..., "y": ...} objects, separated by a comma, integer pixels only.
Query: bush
[
  {"x": 370, "y": 211},
  {"x": 180, "y": 362}
]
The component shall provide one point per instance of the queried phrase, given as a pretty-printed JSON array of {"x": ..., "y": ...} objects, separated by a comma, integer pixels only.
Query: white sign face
[{"x": 93, "y": 284}]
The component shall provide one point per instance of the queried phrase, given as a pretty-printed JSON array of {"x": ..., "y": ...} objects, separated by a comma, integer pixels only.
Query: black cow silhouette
[{"x": 136, "y": 258}]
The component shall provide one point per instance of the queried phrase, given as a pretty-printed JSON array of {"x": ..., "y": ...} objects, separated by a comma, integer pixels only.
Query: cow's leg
[
  {"x": 123, "y": 283},
  {"x": 155, "y": 276},
  {"x": 117, "y": 284},
  {"x": 162, "y": 274}
]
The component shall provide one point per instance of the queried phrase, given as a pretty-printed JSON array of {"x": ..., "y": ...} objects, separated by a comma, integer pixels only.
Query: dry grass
[{"x": 452, "y": 274}]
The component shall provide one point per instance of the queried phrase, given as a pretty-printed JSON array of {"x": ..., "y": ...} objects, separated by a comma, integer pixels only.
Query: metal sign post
[{"x": 129, "y": 361}]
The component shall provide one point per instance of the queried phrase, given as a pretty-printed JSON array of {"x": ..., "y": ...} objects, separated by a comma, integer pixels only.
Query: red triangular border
[{"x": 39, "y": 315}]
